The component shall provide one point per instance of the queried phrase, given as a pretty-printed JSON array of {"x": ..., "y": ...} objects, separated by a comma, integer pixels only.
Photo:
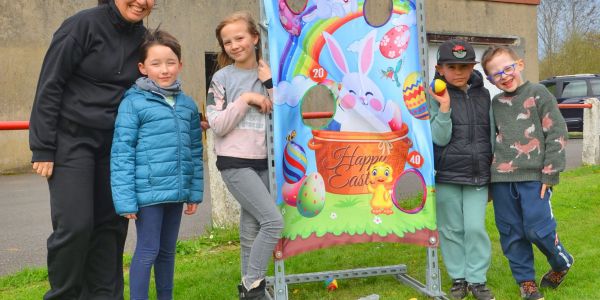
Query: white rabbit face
[
  {"x": 360, "y": 90},
  {"x": 362, "y": 106}
]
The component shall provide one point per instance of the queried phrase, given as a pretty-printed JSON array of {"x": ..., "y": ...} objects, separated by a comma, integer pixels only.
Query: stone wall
[{"x": 27, "y": 27}]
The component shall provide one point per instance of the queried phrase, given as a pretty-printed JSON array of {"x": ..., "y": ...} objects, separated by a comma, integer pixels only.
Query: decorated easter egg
[
  {"x": 294, "y": 162},
  {"x": 414, "y": 96},
  {"x": 289, "y": 192},
  {"x": 394, "y": 42},
  {"x": 438, "y": 87},
  {"x": 290, "y": 21},
  {"x": 311, "y": 197},
  {"x": 331, "y": 284}
]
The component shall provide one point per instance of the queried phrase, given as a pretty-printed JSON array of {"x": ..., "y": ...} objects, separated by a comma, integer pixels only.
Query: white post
[
  {"x": 591, "y": 133},
  {"x": 225, "y": 209}
]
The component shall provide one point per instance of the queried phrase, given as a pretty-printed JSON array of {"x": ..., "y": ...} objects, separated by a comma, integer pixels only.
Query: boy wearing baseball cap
[{"x": 461, "y": 127}]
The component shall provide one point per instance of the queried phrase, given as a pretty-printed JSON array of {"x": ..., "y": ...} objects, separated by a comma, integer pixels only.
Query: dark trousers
[
  {"x": 157, "y": 228},
  {"x": 85, "y": 249},
  {"x": 523, "y": 219}
]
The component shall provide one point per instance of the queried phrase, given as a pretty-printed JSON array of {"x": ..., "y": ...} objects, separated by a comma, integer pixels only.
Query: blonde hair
[
  {"x": 493, "y": 51},
  {"x": 222, "y": 58}
]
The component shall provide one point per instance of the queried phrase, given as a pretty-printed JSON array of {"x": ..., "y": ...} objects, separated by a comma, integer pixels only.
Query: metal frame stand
[
  {"x": 278, "y": 284},
  {"x": 431, "y": 288}
]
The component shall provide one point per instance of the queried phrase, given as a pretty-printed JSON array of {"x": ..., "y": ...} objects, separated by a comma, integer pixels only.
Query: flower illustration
[
  {"x": 333, "y": 216},
  {"x": 377, "y": 220}
]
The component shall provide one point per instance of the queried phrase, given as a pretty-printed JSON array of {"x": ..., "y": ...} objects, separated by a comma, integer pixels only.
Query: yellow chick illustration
[{"x": 379, "y": 184}]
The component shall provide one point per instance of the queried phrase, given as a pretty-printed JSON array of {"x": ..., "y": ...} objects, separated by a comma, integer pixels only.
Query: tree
[
  {"x": 583, "y": 16},
  {"x": 569, "y": 37},
  {"x": 559, "y": 19},
  {"x": 578, "y": 54},
  {"x": 550, "y": 24}
]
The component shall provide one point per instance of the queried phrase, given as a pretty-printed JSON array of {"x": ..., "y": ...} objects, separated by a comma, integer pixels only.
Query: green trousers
[{"x": 465, "y": 244}]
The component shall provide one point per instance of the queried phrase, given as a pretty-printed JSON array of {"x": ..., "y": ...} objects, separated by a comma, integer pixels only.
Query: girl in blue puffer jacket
[{"x": 156, "y": 162}]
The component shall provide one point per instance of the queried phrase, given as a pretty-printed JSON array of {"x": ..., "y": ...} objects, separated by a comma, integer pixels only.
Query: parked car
[{"x": 573, "y": 89}]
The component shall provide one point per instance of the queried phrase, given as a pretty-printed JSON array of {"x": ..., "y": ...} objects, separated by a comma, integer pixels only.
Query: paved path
[
  {"x": 25, "y": 223},
  {"x": 25, "y": 218}
]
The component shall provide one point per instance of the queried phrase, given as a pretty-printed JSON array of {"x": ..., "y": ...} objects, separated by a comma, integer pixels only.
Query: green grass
[{"x": 208, "y": 267}]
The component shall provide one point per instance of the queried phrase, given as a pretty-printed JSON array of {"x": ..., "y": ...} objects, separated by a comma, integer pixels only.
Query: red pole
[
  {"x": 14, "y": 125},
  {"x": 588, "y": 105},
  {"x": 317, "y": 115},
  {"x": 23, "y": 125}
]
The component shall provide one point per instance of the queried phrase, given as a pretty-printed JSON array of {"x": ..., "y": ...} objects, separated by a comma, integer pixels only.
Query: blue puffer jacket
[{"x": 156, "y": 153}]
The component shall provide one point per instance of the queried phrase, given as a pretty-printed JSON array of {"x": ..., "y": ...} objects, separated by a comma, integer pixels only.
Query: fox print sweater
[{"x": 531, "y": 136}]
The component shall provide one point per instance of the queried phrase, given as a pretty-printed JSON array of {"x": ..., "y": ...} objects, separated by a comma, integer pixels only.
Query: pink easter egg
[
  {"x": 394, "y": 42},
  {"x": 289, "y": 192}
]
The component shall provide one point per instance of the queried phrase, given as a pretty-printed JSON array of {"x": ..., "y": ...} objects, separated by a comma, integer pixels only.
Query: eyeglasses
[{"x": 508, "y": 70}]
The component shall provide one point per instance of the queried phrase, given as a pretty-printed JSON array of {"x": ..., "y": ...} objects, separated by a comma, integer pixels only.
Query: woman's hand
[
  {"x": 44, "y": 168},
  {"x": 443, "y": 100},
  {"x": 264, "y": 71}
]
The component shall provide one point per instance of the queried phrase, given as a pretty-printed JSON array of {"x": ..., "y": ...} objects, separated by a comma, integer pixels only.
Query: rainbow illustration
[{"x": 305, "y": 50}]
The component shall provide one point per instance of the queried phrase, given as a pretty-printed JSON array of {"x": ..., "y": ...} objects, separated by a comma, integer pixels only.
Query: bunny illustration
[
  {"x": 361, "y": 105},
  {"x": 326, "y": 9}
]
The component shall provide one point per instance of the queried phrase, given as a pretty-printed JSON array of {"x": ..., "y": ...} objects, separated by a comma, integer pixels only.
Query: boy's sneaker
[
  {"x": 459, "y": 288},
  {"x": 481, "y": 292},
  {"x": 530, "y": 291},
  {"x": 257, "y": 293},
  {"x": 553, "y": 279}
]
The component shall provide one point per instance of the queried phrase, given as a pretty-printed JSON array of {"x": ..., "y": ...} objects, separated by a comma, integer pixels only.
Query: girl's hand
[
  {"x": 264, "y": 71},
  {"x": 190, "y": 208},
  {"x": 443, "y": 100},
  {"x": 262, "y": 102},
  {"x": 44, "y": 168},
  {"x": 131, "y": 216}
]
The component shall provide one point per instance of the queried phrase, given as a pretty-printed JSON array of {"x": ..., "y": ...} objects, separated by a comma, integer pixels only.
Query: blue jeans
[
  {"x": 261, "y": 222},
  {"x": 157, "y": 229},
  {"x": 524, "y": 219}
]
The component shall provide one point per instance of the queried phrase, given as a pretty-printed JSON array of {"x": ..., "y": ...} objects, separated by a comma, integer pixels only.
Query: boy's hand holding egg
[{"x": 438, "y": 87}]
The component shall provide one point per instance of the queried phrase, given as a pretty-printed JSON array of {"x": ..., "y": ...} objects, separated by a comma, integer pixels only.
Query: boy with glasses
[
  {"x": 461, "y": 133},
  {"x": 529, "y": 154}
]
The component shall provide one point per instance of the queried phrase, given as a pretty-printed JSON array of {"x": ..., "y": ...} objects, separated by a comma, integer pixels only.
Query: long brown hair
[{"x": 222, "y": 58}]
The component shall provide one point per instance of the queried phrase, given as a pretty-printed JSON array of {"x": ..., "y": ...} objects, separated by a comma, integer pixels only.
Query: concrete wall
[{"x": 27, "y": 27}]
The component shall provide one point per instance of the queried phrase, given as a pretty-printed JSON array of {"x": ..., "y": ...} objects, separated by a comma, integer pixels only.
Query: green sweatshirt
[{"x": 531, "y": 136}]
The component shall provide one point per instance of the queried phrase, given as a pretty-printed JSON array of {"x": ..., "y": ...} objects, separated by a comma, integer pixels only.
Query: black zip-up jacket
[
  {"x": 90, "y": 63},
  {"x": 466, "y": 158}
]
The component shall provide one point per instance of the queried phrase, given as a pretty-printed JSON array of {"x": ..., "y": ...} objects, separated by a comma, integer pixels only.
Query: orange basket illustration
[{"x": 343, "y": 158}]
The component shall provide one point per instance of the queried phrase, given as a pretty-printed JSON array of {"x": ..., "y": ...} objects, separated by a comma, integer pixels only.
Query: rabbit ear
[
  {"x": 336, "y": 52},
  {"x": 365, "y": 61}
]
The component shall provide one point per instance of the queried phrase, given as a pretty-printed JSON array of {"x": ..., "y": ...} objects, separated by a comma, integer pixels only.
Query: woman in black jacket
[{"x": 90, "y": 62}]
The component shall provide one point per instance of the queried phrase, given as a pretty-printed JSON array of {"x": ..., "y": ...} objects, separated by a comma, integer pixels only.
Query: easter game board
[{"x": 366, "y": 173}]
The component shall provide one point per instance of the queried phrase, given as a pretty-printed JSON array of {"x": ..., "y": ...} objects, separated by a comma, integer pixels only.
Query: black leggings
[{"x": 85, "y": 249}]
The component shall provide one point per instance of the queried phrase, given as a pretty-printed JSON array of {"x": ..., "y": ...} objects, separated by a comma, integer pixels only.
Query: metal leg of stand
[
  {"x": 280, "y": 289},
  {"x": 433, "y": 281}
]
